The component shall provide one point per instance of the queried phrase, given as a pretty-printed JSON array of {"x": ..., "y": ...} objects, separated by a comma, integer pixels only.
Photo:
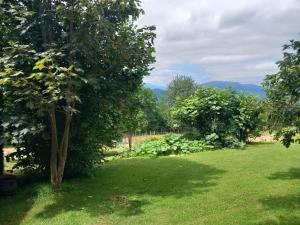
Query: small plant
[{"x": 171, "y": 144}]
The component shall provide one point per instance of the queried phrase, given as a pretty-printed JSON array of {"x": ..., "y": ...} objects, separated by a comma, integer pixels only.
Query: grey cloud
[{"x": 231, "y": 40}]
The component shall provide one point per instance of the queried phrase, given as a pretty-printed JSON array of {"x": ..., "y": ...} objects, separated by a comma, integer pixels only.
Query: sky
[{"x": 219, "y": 40}]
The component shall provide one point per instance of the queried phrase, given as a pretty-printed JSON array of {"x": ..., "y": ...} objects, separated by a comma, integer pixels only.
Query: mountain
[
  {"x": 258, "y": 90},
  {"x": 159, "y": 92},
  {"x": 155, "y": 86},
  {"x": 250, "y": 88}
]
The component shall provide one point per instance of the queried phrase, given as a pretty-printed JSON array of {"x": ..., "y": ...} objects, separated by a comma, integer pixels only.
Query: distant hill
[
  {"x": 250, "y": 88},
  {"x": 159, "y": 92},
  {"x": 155, "y": 86}
]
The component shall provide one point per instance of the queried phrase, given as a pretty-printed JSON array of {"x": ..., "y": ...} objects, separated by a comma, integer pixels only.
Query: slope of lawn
[{"x": 259, "y": 186}]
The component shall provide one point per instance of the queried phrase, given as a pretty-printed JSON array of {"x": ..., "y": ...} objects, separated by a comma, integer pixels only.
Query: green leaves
[
  {"x": 170, "y": 144},
  {"x": 221, "y": 113},
  {"x": 40, "y": 65},
  {"x": 283, "y": 92},
  {"x": 81, "y": 56}
]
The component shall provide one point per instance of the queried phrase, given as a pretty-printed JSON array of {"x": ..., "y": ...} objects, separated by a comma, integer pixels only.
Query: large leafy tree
[
  {"x": 219, "y": 114},
  {"x": 179, "y": 89},
  {"x": 74, "y": 61},
  {"x": 141, "y": 112},
  {"x": 283, "y": 92},
  {"x": 152, "y": 110}
]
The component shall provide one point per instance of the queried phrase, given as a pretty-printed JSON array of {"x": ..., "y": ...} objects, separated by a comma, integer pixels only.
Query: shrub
[
  {"x": 170, "y": 144},
  {"x": 220, "y": 115}
]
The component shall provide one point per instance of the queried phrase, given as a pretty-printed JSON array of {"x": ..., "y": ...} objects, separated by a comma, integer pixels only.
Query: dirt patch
[
  {"x": 263, "y": 138},
  {"x": 9, "y": 150},
  {"x": 142, "y": 138}
]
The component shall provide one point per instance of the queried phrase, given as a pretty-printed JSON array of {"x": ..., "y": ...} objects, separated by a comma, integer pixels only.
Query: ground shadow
[
  {"x": 286, "y": 205},
  {"x": 293, "y": 173},
  {"x": 289, "y": 202},
  {"x": 123, "y": 187},
  {"x": 282, "y": 205},
  {"x": 13, "y": 209},
  {"x": 281, "y": 220}
]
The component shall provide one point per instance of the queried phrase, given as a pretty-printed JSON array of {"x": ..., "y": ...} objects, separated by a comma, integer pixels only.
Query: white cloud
[{"x": 230, "y": 40}]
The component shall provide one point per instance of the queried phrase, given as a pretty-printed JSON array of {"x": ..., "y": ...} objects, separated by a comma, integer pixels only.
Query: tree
[
  {"x": 180, "y": 88},
  {"x": 75, "y": 56},
  {"x": 141, "y": 113},
  {"x": 134, "y": 118},
  {"x": 152, "y": 110},
  {"x": 249, "y": 121},
  {"x": 48, "y": 88},
  {"x": 283, "y": 94},
  {"x": 223, "y": 115}
]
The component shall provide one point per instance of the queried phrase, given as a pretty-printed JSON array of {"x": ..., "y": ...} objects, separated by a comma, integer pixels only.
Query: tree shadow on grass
[
  {"x": 293, "y": 173},
  {"x": 13, "y": 209},
  {"x": 282, "y": 220},
  {"x": 123, "y": 187},
  {"x": 287, "y": 205}
]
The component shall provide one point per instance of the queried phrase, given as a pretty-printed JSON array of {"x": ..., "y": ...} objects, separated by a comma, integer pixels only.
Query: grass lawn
[{"x": 259, "y": 186}]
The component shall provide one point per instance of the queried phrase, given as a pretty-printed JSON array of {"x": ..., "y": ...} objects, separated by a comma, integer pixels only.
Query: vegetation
[
  {"x": 284, "y": 96},
  {"x": 253, "y": 186},
  {"x": 141, "y": 113},
  {"x": 71, "y": 85},
  {"x": 69, "y": 67},
  {"x": 180, "y": 88},
  {"x": 221, "y": 116},
  {"x": 169, "y": 145}
]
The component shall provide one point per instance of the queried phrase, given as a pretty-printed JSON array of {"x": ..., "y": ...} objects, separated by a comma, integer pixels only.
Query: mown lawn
[{"x": 259, "y": 186}]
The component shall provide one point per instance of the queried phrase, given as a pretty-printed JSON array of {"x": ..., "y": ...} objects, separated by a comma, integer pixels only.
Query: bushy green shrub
[
  {"x": 229, "y": 142},
  {"x": 220, "y": 116}
]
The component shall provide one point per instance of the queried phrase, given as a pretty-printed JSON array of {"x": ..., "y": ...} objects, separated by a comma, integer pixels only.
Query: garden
[{"x": 84, "y": 141}]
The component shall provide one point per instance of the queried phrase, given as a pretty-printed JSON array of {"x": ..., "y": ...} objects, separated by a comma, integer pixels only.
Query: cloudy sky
[{"x": 232, "y": 40}]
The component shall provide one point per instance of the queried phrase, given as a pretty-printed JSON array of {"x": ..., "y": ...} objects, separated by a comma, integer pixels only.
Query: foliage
[
  {"x": 152, "y": 110},
  {"x": 220, "y": 115},
  {"x": 71, "y": 57},
  {"x": 283, "y": 95},
  {"x": 170, "y": 144},
  {"x": 180, "y": 88},
  {"x": 141, "y": 113}
]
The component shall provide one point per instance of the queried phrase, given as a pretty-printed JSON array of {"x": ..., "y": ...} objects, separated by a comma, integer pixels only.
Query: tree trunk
[
  {"x": 58, "y": 152},
  {"x": 129, "y": 135},
  {"x": 54, "y": 148},
  {"x": 64, "y": 147},
  {"x": 1, "y": 133},
  {"x": 1, "y": 160}
]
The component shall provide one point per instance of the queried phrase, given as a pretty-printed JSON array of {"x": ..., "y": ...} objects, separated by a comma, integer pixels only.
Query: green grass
[{"x": 259, "y": 186}]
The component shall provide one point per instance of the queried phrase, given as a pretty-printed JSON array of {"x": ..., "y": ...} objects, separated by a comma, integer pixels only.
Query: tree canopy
[
  {"x": 283, "y": 92},
  {"x": 220, "y": 115},
  {"x": 70, "y": 65}
]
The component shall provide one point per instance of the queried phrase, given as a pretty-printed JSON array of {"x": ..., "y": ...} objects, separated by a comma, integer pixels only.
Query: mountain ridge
[{"x": 249, "y": 88}]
